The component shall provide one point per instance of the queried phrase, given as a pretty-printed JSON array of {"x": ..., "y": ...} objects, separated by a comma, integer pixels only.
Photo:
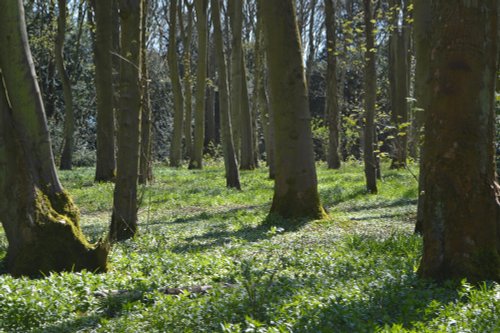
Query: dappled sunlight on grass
[{"x": 352, "y": 272}]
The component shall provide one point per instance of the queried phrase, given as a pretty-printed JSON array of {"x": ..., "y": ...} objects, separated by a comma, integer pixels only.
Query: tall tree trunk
[
  {"x": 187, "y": 34},
  {"x": 145, "y": 163},
  {"x": 69, "y": 115},
  {"x": 461, "y": 211},
  {"x": 105, "y": 162},
  {"x": 124, "y": 218},
  {"x": 399, "y": 84},
  {"x": 295, "y": 189},
  {"x": 370, "y": 94},
  {"x": 312, "y": 50},
  {"x": 332, "y": 104},
  {"x": 262, "y": 101},
  {"x": 39, "y": 218},
  {"x": 196, "y": 161},
  {"x": 210, "y": 132},
  {"x": 422, "y": 35},
  {"x": 176, "y": 142},
  {"x": 230, "y": 163},
  {"x": 235, "y": 78}
]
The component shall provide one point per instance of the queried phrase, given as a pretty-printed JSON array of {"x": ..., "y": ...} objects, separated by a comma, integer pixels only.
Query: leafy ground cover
[{"x": 354, "y": 272}]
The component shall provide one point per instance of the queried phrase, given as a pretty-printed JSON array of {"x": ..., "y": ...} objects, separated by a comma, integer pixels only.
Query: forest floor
[{"x": 355, "y": 272}]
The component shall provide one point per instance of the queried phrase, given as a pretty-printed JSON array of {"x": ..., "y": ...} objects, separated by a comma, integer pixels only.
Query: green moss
[
  {"x": 56, "y": 243},
  {"x": 293, "y": 204}
]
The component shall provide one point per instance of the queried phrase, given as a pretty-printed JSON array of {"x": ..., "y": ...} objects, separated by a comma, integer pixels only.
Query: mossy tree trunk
[
  {"x": 173, "y": 65},
  {"x": 40, "y": 220},
  {"x": 332, "y": 104},
  {"x": 69, "y": 112},
  {"x": 124, "y": 218},
  {"x": 105, "y": 155},
  {"x": 296, "y": 189},
  {"x": 230, "y": 163},
  {"x": 146, "y": 163},
  {"x": 196, "y": 161},
  {"x": 461, "y": 228},
  {"x": 370, "y": 96}
]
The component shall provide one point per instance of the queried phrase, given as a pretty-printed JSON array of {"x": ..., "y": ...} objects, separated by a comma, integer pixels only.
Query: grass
[{"x": 354, "y": 272}]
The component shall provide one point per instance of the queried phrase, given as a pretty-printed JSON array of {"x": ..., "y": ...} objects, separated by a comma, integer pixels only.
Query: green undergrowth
[{"x": 352, "y": 272}]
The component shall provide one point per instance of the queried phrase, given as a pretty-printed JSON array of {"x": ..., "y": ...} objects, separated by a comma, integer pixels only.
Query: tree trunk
[
  {"x": 461, "y": 211},
  {"x": 332, "y": 104},
  {"x": 210, "y": 133},
  {"x": 230, "y": 163},
  {"x": 186, "y": 36},
  {"x": 370, "y": 94},
  {"x": 312, "y": 51},
  {"x": 145, "y": 163},
  {"x": 399, "y": 85},
  {"x": 262, "y": 100},
  {"x": 235, "y": 79},
  {"x": 105, "y": 162},
  {"x": 296, "y": 189},
  {"x": 124, "y": 219},
  {"x": 201, "y": 76},
  {"x": 40, "y": 220},
  {"x": 176, "y": 142},
  {"x": 69, "y": 118}
]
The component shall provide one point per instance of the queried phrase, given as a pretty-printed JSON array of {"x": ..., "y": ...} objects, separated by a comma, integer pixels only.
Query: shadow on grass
[
  {"x": 401, "y": 303},
  {"x": 379, "y": 205},
  {"x": 335, "y": 195}
]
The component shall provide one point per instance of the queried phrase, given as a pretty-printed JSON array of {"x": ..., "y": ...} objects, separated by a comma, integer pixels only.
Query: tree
[
  {"x": 370, "y": 95},
  {"x": 295, "y": 190},
  {"x": 399, "y": 82},
  {"x": 176, "y": 143},
  {"x": 69, "y": 119},
  {"x": 240, "y": 106},
  {"x": 39, "y": 218},
  {"x": 145, "y": 163},
  {"x": 461, "y": 208},
  {"x": 124, "y": 218},
  {"x": 105, "y": 155},
  {"x": 201, "y": 75},
  {"x": 230, "y": 163},
  {"x": 332, "y": 104}
]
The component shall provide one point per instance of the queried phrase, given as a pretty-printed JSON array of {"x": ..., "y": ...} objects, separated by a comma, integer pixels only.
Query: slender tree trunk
[
  {"x": 146, "y": 163},
  {"x": 69, "y": 118},
  {"x": 312, "y": 50},
  {"x": 201, "y": 76},
  {"x": 461, "y": 211},
  {"x": 210, "y": 133},
  {"x": 399, "y": 86},
  {"x": 332, "y": 104},
  {"x": 296, "y": 189},
  {"x": 176, "y": 142},
  {"x": 262, "y": 100},
  {"x": 105, "y": 162},
  {"x": 230, "y": 163},
  {"x": 39, "y": 218},
  {"x": 187, "y": 34},
  {"x": 370, "y": 94},
  {"x": 235, "y": 78},
  {"x": 124, "y": 219}
]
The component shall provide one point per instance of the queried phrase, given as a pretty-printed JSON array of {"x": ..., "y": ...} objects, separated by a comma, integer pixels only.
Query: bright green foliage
[{"x": 353, "y": 273}]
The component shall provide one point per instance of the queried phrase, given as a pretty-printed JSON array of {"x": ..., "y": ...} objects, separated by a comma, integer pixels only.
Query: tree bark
[
  {"x": 124, "y": 218},
  {"x": 105, "y": 161},
  {"x": 461, "y": 209},
  {"x": 176, "y": 142},
  {"x": 296, "y": 189},
  {"x": 69, "y": 114},
  {"x": 399, "y": 85},
  {"x": 145, "y": 163},
  {"x": 196, "y": 161},
  {"x": 332, "y": 104},
  {"x": 39, "y": 218},
  {"x": 230, "y": 163},
  {"x": 370, "y": 95}
]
